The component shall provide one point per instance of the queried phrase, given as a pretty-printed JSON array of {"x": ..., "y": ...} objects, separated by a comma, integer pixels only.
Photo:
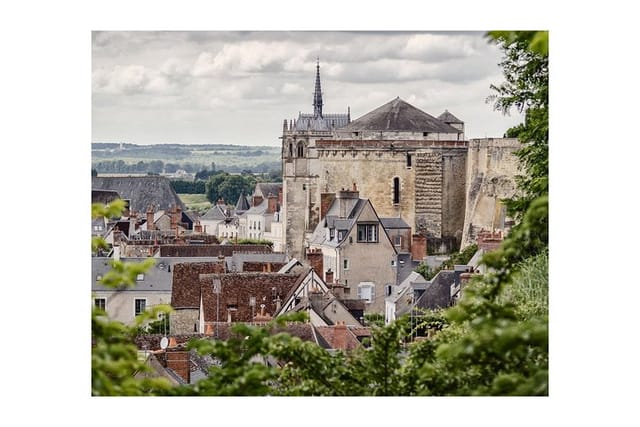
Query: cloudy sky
[{"x": 237, "y": 87}]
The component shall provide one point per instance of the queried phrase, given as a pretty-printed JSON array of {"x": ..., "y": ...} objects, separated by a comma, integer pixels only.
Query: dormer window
[{"x": 332, "y": 233}]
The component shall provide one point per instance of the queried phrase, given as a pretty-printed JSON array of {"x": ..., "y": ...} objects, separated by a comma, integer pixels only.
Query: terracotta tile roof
[
  {"x": 304, "y": 331},
  {"x": 237, "y": 290},
  {"x": 210, "y": 250},
  {"x": 186, "y": 284},
  {"x": 338, "y": 337}
]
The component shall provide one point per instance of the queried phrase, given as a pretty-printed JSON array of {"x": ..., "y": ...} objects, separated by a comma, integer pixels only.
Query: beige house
[{"x": 356, "y": 251}]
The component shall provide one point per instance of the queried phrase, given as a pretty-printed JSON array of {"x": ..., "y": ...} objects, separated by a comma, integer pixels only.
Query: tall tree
[{"x": 526, "y": 88}]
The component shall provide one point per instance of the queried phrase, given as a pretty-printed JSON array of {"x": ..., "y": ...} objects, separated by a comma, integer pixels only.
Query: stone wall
[
  {"x": 491, "y": 169},
  {"x": 183, "y": 321}
]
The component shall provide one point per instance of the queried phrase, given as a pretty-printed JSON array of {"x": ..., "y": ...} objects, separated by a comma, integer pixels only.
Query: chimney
[
  {"x": 346, "y": 200},
  {"x": 326, "y": 199},
  {"x": 272, "y": 203},
  {"x": 197, "y": 227},
  {"x": 315, "y": 298},
  {"x": 328, "y": 276},
  {"x": 178, "y": 361},
  {"x": 280, "y": 195},
  {"x": 221, "y": 202},
  {"x": 315, "y": 259},
  {"x": 418, "y": 247},
  {"x": 257, "y": 200},
  {"x": 340, "y": 335}
]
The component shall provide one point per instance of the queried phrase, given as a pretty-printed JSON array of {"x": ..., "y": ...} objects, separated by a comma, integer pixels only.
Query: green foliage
[
  {"x": 458, "y": 258},
  {"x": 374, "y": 319},
  {"x": 462, "y": 257},
  {"x": 228, "y": 187},
  {"x": 254, "y": 242},
  {"x": 427, "y": 272},
  {"x": 114, "y": 357},
  {"x": 188, "y": 187},
  {"x": 526, "y": 71}
]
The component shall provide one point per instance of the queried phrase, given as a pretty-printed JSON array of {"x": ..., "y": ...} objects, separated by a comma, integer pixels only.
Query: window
[
  {"x": 366, "y": 291},
  {"x": 300, "y": 149},
  {"x": 367, "y": 232},
  {"x": 98, "y": 277},
  {"x": 345, "y": 264},
  {"x": 140, "y": 277},
  {"x": 397, "y": 240},
  {"x": 332, "y": 233},
  {"x": 290, "y": 150},
  {"x": 97, "y": 227},
  {"x": 100, "y": 303},
  {"x": 408, "y": 160},
  {"x": 396, "y": 190},
  {"x": 393, "y": 263},
  {"x": 140, "y": 306}
]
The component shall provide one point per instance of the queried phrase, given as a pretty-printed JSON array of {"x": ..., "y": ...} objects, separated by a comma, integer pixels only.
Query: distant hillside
[{"x": 167, "y": 158}]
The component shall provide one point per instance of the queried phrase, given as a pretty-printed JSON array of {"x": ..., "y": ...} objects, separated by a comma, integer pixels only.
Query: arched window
[
  {"x": 290, "y": 149},
  {"x": 300, "y": 149},
  {"x": 396, "y": 190}
]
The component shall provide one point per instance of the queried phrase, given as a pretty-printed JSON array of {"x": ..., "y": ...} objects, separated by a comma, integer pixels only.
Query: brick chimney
[
  {"x": 326, "y": 199},
  {"x": 197, "y": 227},
  {"x": 272, "y": 203},
  {"x": 418, "y": 247},
  {"x": 257, "y": 200},
  {"x": 150, "y": 224},
  {"x": 178, "y": 361},
  {"x": 328, "y": 276},
  {"x": 340, "y": 335},
  {"x": 315, "y": 259},
  {"x": 220, "y": 202}
]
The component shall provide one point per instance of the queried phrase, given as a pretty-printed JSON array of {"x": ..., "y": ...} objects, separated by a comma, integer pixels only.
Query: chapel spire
[{"x": 317, "y": 95}]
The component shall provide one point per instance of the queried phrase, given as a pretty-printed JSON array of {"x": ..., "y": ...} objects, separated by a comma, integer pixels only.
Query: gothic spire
[{"x": 317, "y": 96}]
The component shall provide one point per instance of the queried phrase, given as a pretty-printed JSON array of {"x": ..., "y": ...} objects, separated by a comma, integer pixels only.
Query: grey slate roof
[
  {"x": 333, "y": 220},
  {"x": 447, "y": 117},
  {"x": 236, "y": 261},
  {"x": 438, "y": 293},
  {"x": 242, "y": 204},
  {"x": 143, "y": 191},
  {"x": 217, "y": 212},
  {"x": 265, "y": 188},
  {"x": 157, "y": 278},
  {"x": 393, "y": 223},
  {"x": 399, "y": 115},
  {"x": 324, "y": 123},
  {"x": 104, "y": 196}
]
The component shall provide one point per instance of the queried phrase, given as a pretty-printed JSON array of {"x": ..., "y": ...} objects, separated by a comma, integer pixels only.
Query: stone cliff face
[{"x": 491, "y": 170}]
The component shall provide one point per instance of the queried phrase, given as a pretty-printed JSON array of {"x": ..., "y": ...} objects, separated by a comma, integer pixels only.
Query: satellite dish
[{"x": 164, "y": 343}]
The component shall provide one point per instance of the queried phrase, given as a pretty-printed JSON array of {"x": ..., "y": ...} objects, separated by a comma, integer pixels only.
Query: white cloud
[{"x": 292, "y": 89}]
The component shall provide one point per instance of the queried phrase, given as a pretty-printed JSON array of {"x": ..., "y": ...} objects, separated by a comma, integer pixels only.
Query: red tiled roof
[{"x": 185, "y": 291}]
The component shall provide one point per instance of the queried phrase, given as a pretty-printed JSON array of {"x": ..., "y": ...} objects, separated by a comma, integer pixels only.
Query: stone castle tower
[{"x": 408, "y": 163}]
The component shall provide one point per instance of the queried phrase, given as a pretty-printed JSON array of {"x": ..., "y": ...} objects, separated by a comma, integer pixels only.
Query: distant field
[
  {"x": 225, "y": 157},
  {"x": 196, "y": 202}
]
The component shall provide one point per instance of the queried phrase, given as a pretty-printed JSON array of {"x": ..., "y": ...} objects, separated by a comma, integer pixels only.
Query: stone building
[{"x": 409, "y": 164}]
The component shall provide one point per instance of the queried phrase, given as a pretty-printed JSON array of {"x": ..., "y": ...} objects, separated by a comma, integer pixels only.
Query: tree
[
  {"x": 114, "y": 355},
  {"x": 526, "y": 88}
]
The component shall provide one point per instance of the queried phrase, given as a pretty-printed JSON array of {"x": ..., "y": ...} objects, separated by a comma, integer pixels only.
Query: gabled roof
[
  {"x": 104, "y": 196},
  {"x": 438, "y": 292},
  {"x": 265, "y": 188},
  {"x": 399, "y": 115},
  {"x": 338, "y": 337},
  {"x": 142, "y": 191},
  {"x": 237, "y": 289},
  {"x": 216, "y": 212},
  {"x": 447, "y": 117}
]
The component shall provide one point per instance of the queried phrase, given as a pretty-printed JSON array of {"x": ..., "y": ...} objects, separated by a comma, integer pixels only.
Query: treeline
[
  {"x": 158, "y": 166},
  {"x": 188, "y": 187}
]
